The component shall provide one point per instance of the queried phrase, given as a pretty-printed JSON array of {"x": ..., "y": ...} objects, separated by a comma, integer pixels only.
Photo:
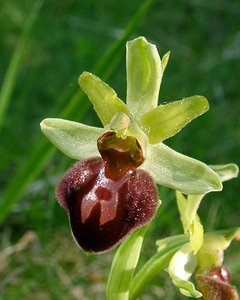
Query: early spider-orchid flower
[{"x": 112, "y": 190}]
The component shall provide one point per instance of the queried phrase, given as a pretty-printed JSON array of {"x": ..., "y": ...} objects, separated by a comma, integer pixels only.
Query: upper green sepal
[
  {"x": 144, "y": 75},
  {"x": 103, "y": 97},
  {"x": 74, "y": 139},
  {"x": 166, "y": 120}
]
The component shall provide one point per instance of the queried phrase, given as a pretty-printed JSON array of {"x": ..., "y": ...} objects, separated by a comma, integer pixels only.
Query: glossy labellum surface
[
  {"x": 119, "y": 154},
  {"x": 215, "y": 285},
  {"x": 102, "y": 210}
]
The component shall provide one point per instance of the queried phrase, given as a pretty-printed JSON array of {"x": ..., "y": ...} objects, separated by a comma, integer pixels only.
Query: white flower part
[
  {"x": 181, "y": 272},
  {"x": 180, "y": 269}
]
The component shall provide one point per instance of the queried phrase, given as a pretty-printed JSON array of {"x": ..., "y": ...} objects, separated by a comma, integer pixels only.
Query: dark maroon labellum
[
  {"x": 102, "y": 210},
  {"x": 215, "y": 285}
]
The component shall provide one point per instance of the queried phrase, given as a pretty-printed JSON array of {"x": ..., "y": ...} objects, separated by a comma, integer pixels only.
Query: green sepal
[
  {"x": 103, "y": 97},
  {"x": 196, "y": 234},
  {"x": 190, "y": 220},
  {"x": 211, "y": 254},
  {"x": 144, "y": 75},
  {"x": 172, "y": 169},
  {"x": 166, "y": 120},
  {"x": 123, "y": 266},
  {"x": 180, "y": 269},
  {"x": 226, "y": 172},
  {"x": 74, "y": 139}
]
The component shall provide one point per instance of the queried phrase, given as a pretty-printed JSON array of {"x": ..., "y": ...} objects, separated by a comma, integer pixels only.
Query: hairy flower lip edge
[{"x": 144, "y": 215}]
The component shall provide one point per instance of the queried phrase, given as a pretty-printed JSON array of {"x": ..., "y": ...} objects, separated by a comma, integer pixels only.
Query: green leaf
[
  {"x": 172, "y": 169},
  {"x": 225, "y": 172},
  {"x": 166, "y": 120},
  {"x": 74, "y": 139},
  {"x": 144, "y": 75},
  {"x": 123, "y": 266},
  {"x": 170, "y": 241},
  {"x": 157, "y": 263},
  {"x": 180, "y": 269},
  {"x": 104, "y": 99}
]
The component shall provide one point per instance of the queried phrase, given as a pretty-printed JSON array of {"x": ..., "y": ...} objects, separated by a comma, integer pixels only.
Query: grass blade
[{"x": 11, "y": 74}]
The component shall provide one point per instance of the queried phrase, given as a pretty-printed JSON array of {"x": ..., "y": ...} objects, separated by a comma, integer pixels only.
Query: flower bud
[{"x": 215, "y": 285}]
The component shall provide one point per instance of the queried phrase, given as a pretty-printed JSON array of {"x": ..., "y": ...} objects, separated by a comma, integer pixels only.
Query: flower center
[{"x": 120, "y": 154}]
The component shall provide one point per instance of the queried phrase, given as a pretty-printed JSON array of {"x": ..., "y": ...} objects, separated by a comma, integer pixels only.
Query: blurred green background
[{"x": 38, "y": 258}]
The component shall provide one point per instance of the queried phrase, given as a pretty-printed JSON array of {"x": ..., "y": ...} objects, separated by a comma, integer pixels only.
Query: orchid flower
[
  {"x": 112, "y": 189},
  {"x": 203, "y": 253}
]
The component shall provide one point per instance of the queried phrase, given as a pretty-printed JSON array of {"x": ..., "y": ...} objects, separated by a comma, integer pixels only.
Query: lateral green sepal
[
  {"x": 74, "y": 139},
  {"x": 180, "y": 172}
]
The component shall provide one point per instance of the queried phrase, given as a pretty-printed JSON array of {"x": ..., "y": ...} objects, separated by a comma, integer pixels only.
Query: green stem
[
  {"x": 153, "y": 267},
  {"x": 123, "y": 266}
]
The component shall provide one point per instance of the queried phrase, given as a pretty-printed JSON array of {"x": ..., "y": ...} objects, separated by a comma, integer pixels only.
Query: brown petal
[{"x": 102, "y": 211}]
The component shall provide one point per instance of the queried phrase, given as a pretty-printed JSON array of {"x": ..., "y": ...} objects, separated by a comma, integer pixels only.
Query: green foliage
[{"x": 123, "y": 266}]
